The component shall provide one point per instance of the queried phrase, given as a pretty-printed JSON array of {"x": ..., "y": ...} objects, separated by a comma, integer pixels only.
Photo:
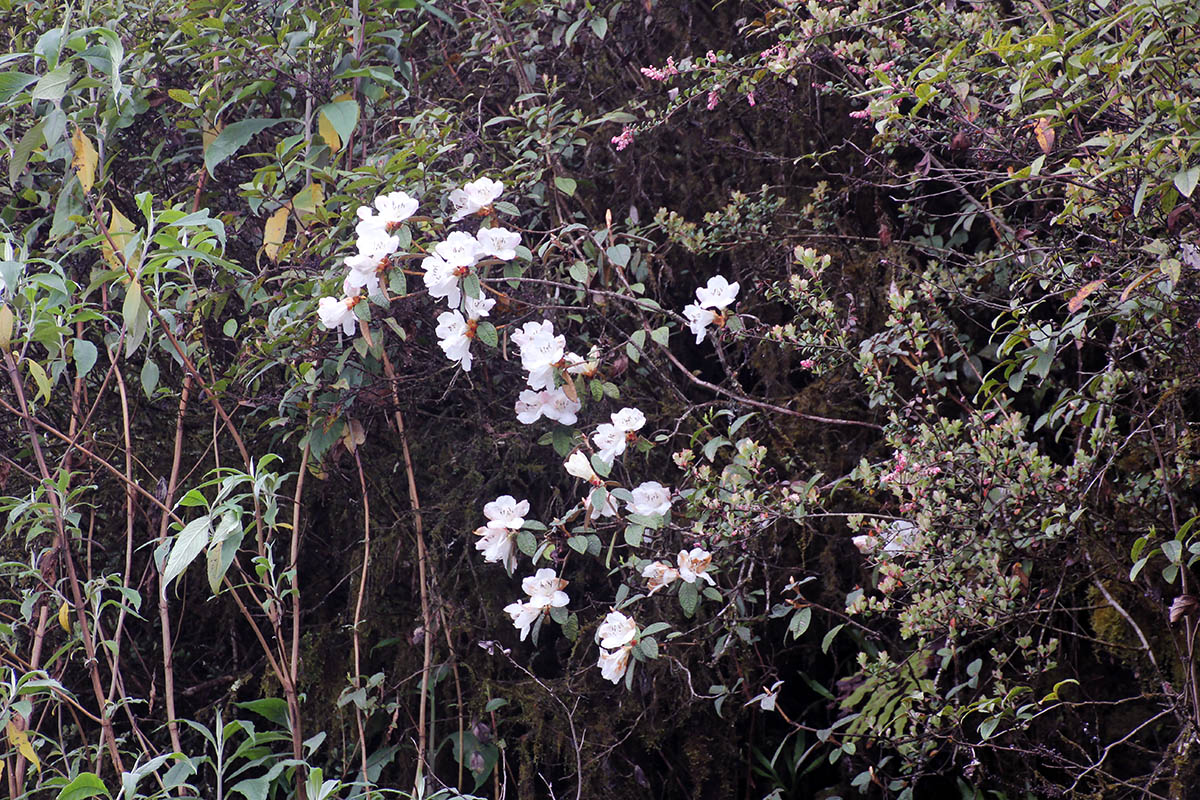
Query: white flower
[
  {"x": 617, "y": 630},
  {"x": 866, "y": 543},
  {"x": 441, "y": 280},
  {"x": 766, "y": 700},
  {"x": 474, "y": 197},
  {"x": 609, "y": 441},
  {"x": 650, "y": 499},
  {"x": 458, "y": 250},
  {"x": 355, "y": 280},
  {"x": 498, "y": 243},
  {"x": 629, "y": 420},
  {"x": 334, "y": 312},
  {"x": 552, "y": 403},
  {"x": 660, "y": 574},
  {"x": 477, "y": 307},
  {"x": 718, "y": 294},
  {"x": 556, "y": 405},
  {"x": 694, "y": 564},
  {"x": 577, "y": 365},
  {"x": 529, "y": 406},
  {"x": 540, "y": 351},
  {"x": 523, "y": 615},
  {"x": 613, "y": 664},
  {"x": 901, "y": 537},
  {"x": 394, "y": 208},
  {"x": 506, "y": 512},
  {"x": 545, "y": 589},
  {"x": 698, "y": 320},
  {"x": 377, "y": 244},
  {"x": 496, "y": 544},
  {"x": 453, "y": 339},
  {"x": 580, "y": 466}
]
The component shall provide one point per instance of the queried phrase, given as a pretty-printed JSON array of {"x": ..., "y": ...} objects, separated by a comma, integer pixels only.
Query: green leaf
[
  {"x": 494, "y": 703},
  {"x": 526, "y": 542},
  {"x": 41, "y": 379},
  {"x": 661, "y": 335},
  {"x": 13, "y": 82},
  {"x": 799, "y": 622},
  {"x": 579, "y": 272},
  {"x": 619, "y": 254},
  {"x": 829, "y": 637},
  {"x": 566, "y": 186},
  {"x": 53, "y": 85},
  {"x": 233, "y": 138},
  {"x": 689, "y": 598},
  {"x": 649, "y": 647},
  {"x": 1186, "y": 179},
  {"x": 655, "y": 627},
  {"x": 988, "y": 727},
  {"x": 149, "y": 376},
  {"x": 224, "y": 547},
  {"x": 32, "y": 140},
  {"x": 188, "y": 544},
  {"x": 471, "y": 286},
  {"x": 84, "y": 353},
  {"x": 486, "y": 333},
  {"x": 1173, "y": 550},
  {"x": 578, "y": 543},
  {"x": 85, "y": 785},
  {"x": 136, "y": 315},
  {"x": 342, "y": 115},
  {"x": 633, "y": 535},
  {"x": 562, "y": 439}
]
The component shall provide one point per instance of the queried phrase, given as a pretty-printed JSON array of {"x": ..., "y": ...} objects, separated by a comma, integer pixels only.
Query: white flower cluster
[
  {"x": 505, "y": 517},
  {"x": 617, "y": 635},
  {"x": 692, "y": 565},
  {"x": 710, "y": 305},
  {"x": 545, "y": 591},
  {"x": 375, "y": 246}
]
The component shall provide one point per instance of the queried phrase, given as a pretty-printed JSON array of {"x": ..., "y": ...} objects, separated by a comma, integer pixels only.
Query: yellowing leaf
[
  {"x": 328, "y": 132},
  {"x": 85, "y": 159},
  {"x": 40, "y": 378},
  {"x": 6, "y": 326},
  {"x": 120, "y": 228},
  {"x": 1076, "y": 302},
  {"x": 274, "y": 232},
  {"x": 209, "y": 134},
  {"x": 308, "y": 200},
  {"x": 64, "y": 616},
  {"x": 1044, "y": 135},
  {"x": 20, "y": 740},
  {"x": 354, "y": 436}
]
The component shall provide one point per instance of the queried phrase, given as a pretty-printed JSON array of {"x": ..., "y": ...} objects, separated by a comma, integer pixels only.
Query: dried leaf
[
  {"x": 354, "y": 436},
  {"x": 64, "y": 616},
  {"x": 1077, "y": 301},
  {"x": 120, "y": 228},
  {"x": 274, "y": 232},
  {"x": 1183, "y": 605},
  {"x": 85, "y": 159},
  {"x": 1044, "y": 135}
]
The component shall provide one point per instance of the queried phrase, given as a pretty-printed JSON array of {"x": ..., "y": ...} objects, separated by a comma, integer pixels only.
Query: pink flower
[
  {"x": 713, "y": 99},
  {"x": 712, "y": 57},
  {"x": 624, "y": 139},
  {"x": 750, "y": 98}
]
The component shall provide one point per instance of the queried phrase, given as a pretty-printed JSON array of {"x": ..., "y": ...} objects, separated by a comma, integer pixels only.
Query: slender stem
[
  {"x": 358, "y": 606},
  {"x": 164, "y": 615}
]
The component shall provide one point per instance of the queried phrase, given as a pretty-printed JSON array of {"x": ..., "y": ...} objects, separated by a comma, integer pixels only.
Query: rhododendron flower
[
  {"x": 577, "y": 365},
  {"x": 617, "y": 630},
  {"x": 629, "y": 420},
  {"x": 523, "y": 615},
  {"x": 609, "y": 441},
  {"x": 336, "y": 312},
  {"x": 614, "y": 664},
  {"x": 552, "y": 403},
  {"x": 658, "y": 575},
  {"x": 623, "y": 139},
  {"x": 719, "y": 293},
  {"x": 540, "y": 351},
  {"x": 394, "y": 208},
  {"x": 498, "y": 243},
  {"x": 441, "y": 280},
  {"x": 506, "y": 512},
  {"x": 650, "y": 499},
  {"x": 474, "y": 197},
  {"x": 545, "y": 589},
  {"x": 454, "y": 339},
  {"x": 355, "y": 280},
  {"x": 694, "y": 564},
  {"x": 580, "y": 466},
  {"x": 458, "y": 250},
  {"x": 698, "y": 320},
  {"x": 478, "y": 307},
  {"x": 496, "y": 544}
]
